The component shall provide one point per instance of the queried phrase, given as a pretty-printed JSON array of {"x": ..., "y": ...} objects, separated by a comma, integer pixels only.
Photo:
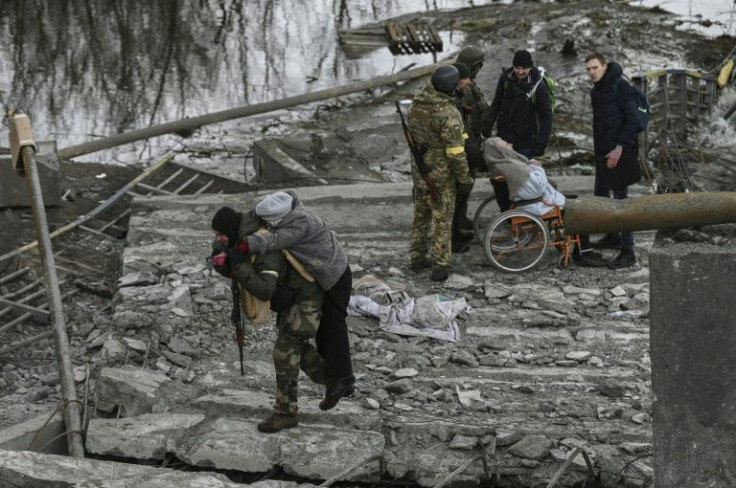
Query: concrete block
[
  {"x": 35, "y": 434},
  {"x": 13, "y": 187},
  {"x": 693, "y": 338},
  {"x": 271, "y": 163},
  {"x": 316, "y": 451},
  {"x": 133, "y": 391},
  {"x": 30, "y": 469}
]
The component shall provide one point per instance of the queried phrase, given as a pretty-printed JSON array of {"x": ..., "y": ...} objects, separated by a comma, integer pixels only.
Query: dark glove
[
  {"x": 474, "y": 155},
  {"x": 538, "y": 150},
  {"x": 238, "y": 253}
]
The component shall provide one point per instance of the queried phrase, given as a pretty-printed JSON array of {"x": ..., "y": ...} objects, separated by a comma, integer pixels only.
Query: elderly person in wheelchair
[{"x": 522, "y": 185}]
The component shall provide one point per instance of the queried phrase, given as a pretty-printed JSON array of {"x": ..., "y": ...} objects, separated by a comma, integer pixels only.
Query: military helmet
[
  {"x": 473, "y": 57},
  {"x": 445, "y": 78}
]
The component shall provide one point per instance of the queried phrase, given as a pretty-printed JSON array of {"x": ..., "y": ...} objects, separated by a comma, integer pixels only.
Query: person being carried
[
  {"x": 296, "y": 300},
  {"x": 526, "y": 181},
  {"x": 294, "y": 228}
]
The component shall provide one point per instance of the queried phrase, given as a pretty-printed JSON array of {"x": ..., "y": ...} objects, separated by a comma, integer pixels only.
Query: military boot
[
  {"x": 440, "y": 274},
  {"x": 277, "y": 422},
  {"x": 420, "y": 264}
]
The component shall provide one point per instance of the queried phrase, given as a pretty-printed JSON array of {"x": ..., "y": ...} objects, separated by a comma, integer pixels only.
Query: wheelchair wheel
[
  {"x": 484, "y": 215},
  {"x": 516, "y": 241}
]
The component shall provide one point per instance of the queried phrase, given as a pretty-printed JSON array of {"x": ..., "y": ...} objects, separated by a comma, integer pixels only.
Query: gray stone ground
[{"x": 547, "y": 360}]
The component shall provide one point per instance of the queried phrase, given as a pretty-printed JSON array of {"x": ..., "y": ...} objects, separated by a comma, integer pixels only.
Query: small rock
[
  {"x": 506, "y": 437},
  {"x": 578, "y": 355},
  {"x": 399, "y": 387},
  {"x": 406, "y": 373},
  {"x": 372, "y": 404},
  {"x": 463, "y": 442},
  {"x": 640, "y": 418},
  {"x": 611, "y": 388},
  {"x": 535, "y": 447}
]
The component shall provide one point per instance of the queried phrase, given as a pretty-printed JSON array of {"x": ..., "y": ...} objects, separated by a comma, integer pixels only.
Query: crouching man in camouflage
[{"x": 296, "y": 299}]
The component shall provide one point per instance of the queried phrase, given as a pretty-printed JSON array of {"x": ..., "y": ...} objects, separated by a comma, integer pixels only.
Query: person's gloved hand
[
  {"x": 238, "y": 253},
  {"x": 219, "y": 259},
  {"x": 474, "y": 155}
]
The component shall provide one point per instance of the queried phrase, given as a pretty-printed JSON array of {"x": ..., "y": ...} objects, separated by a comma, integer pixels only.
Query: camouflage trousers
[
  {"x": 292, "y": 351},
  {"x": 433, "y": 220}
]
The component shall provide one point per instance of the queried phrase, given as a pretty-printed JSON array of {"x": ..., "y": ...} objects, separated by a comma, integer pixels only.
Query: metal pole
[
  {"x": 72, "y": 407},
  {"x": 593, "y": 215},
  {"x": 239, "y": 112}
]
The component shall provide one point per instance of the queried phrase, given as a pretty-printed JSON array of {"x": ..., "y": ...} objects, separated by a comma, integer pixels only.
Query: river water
[{"x": 85, "y": 69}]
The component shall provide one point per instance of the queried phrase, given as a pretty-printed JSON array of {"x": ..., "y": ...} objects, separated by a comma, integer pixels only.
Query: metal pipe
[
  {"x": 595, "y": 215},
  {"x": 239, "y": 112},
  {"x": 72, "y": 414}
]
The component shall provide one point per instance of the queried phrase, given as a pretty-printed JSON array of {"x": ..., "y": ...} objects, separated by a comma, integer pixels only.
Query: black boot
[
  {"x": 460, "y": 220},
  {"x": 440, "y": 274},
  {"x": 625, "y": 259},
  {"x": 336, "y": 390}
]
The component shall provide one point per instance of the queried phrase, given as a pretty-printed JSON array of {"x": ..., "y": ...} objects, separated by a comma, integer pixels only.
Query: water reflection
[{"x": 84, "y": 69}]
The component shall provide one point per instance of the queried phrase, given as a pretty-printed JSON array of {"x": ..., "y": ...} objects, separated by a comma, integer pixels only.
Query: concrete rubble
[{"x": 541, "y": 367}]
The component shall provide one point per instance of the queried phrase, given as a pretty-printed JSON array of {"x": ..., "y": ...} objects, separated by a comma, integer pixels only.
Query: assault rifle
[
  {"x": 418, "y": 152},
  {"x": 237, "y": 320}
]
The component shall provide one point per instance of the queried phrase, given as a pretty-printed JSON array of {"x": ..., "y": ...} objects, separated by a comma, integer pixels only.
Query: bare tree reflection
[{"x": 92, "y": 68}]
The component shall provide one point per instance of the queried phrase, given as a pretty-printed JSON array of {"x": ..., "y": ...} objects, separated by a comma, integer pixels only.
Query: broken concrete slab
[
  {"x": 315, "y": 451},
  {"x": 507, "y": 337},
  {"x": 23, "y": 468},
  {"x": 253, "y": 403},
  {"x": 35, "y": 434},
  {"x": 134, "y": 391},
  {"x": 272, "y": 163},
  {"x": 142, "y": 437}
]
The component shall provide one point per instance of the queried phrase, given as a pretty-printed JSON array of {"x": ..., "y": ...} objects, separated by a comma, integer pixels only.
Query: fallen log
[
  {"x": 240, "y": 112},
  {"x": 596, "y": 215}
]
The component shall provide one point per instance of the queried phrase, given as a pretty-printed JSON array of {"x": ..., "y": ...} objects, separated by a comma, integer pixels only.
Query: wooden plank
[{"x": 38, "y": 315}]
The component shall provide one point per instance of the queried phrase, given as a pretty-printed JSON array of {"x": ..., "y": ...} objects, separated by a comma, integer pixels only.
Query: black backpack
[{"x": 642, "y": 104}]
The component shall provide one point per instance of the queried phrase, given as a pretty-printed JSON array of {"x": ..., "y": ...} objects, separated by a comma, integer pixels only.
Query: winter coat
[
  {"x": 307, "y": 237},
  {"x": 614, "y": 123},
  {"x": 522, "y": 112},
  {"x": 614, "y": 112}
]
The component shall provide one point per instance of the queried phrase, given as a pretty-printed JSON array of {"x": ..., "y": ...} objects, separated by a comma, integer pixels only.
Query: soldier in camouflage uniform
[
  {"x": 436, "y": 124},
  {"x": 297, "y": 301},
  {"x": 472, "y": 105}
]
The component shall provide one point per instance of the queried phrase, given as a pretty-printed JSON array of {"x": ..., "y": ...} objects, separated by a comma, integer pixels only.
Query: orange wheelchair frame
[{"x": 516, "y": 240}]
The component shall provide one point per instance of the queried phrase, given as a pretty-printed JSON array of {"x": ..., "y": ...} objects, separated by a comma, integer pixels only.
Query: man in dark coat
[
  {"x": 614, "y": 143},
  {"x": 521, "y": 108}
]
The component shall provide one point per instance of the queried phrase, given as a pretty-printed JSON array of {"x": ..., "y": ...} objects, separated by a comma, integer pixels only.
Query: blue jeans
[{"x": 627, "y": 238}]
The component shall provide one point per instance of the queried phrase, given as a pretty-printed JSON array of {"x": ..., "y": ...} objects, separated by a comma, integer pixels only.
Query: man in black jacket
[
  {"x": 521, "y": 108},
  {"x": 614, "y": 143}
]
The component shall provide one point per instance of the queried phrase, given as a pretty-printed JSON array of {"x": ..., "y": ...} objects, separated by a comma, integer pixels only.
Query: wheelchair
[{"x": 516, "y": 241}]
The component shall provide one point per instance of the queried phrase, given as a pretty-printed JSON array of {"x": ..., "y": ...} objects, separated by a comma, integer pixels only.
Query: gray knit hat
[{"x": 275, "y": 206}]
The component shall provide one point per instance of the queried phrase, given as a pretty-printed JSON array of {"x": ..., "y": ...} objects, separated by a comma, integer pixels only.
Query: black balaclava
[{"x": 227, "y": 221}]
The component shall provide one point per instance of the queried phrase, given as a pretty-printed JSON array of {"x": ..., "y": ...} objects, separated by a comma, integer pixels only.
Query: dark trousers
[
  {"x": 627, "y": 238},
  {"x": 332, "y": 339}
]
